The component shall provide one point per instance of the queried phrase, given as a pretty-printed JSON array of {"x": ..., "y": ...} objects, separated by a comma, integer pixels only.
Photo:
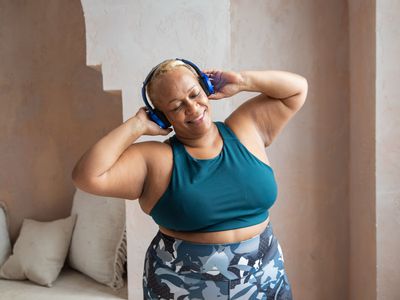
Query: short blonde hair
[{"x": 164, "y": 67}]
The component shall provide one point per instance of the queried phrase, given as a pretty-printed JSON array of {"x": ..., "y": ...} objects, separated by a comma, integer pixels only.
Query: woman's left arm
[
  {"x": 289, "y": 88},
  {"x": 282, "y": 95}
]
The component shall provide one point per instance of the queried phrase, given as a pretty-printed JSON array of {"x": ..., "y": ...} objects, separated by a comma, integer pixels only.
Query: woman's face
[{"x": 179, "y": 95}]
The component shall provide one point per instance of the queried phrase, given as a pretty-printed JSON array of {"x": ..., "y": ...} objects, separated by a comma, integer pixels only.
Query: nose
[{"x": 192, "y": 106}]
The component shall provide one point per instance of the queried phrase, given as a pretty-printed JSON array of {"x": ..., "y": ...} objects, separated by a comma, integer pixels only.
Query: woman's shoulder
[
  {"x": 153, "y": 151},
  {"x": 244, "y": 131},
  {"x": 153, "y": 145},
  {"x": 247, "y": 135}
]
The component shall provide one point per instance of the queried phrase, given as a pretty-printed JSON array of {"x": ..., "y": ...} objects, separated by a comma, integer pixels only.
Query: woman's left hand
[{"x": 226, "y": 83}]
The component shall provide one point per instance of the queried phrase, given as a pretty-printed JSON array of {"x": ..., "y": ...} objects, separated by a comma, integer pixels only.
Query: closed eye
[
  {"x": 196, "y": 95},
  {"x": 180, "y": 106}
]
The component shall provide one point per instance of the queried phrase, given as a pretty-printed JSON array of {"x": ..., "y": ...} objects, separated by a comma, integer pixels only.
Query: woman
[{"x": 209, "y": 187}]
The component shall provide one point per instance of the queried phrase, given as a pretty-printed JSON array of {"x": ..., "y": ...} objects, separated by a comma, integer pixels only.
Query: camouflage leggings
[{"x": 250, "y": 269}]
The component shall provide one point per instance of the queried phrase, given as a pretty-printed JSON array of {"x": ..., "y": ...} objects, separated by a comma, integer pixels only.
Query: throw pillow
[
  {"x": 5, "y": 244},
  {"x": 40, "y": 251},
  {"x": 98, "y": 245}
]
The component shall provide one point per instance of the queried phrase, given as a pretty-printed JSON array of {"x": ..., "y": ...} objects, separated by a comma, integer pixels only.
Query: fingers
[
  {"x": 143, "y": 109},
  {"x": 216, "y": 96},
  {"x": 165, "y": 131},
  {"x": 210, "y": 72}
]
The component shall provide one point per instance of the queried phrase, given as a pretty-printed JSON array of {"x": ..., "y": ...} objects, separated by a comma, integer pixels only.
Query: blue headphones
[{"x": 156, "y": 115}]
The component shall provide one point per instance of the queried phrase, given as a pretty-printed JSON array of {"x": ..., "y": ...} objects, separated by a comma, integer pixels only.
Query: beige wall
[
  {"x": 336, "y": 161},
  {"x": 362, "y": 150},
  {"x": 52, "y": 106},
  {"x": 130, "y": 38},
  {"x": 311, "y": 155},
  {"x": 388, "y": 148}
]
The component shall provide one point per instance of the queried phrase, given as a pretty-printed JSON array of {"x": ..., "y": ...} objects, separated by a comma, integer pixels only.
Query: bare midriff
[{"x": 218, "y": 237}]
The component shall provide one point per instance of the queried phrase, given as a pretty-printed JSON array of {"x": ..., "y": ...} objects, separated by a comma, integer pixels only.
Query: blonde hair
[{"x": 164, "y": 67}]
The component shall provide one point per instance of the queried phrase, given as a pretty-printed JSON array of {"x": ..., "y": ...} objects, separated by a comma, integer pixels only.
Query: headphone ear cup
[
  {"x": 204, "y": 87},
  {"x": 162, "y": 117},
  {"x": 206, "y": 84}
]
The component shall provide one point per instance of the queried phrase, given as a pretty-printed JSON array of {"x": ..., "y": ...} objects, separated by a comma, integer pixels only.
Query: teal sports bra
[{"x": 232, "y": 190}]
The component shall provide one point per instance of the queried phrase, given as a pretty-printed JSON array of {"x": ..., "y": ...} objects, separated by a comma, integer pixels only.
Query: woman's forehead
[
  {"x": 179, "y": 73},
  {"x": 176, "y": 80}
]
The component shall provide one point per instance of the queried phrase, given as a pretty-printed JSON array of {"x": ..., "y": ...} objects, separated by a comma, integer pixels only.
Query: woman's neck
[{"x": 210, "y": 139}]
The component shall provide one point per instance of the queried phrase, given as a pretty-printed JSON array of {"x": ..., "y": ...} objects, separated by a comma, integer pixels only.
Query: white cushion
[
  {"x": 98, "y": 245},
  {"x": 40, "y": 251},
  {"x": 5, "y": 244},
  {"x": 70, "y": 285}
]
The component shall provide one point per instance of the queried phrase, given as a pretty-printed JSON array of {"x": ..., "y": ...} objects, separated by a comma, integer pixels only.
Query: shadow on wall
[{"x": 52, "y": 107}]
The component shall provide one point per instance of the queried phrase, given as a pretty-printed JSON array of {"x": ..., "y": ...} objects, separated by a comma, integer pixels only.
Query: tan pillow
[
  {"x": 5, "y": 244},
  {"x": 40, "y": 251},
  {"x": 98, "y": 245}
]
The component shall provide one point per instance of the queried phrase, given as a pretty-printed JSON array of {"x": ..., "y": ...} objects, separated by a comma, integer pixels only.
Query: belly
[{"x": 218, "y": 237}]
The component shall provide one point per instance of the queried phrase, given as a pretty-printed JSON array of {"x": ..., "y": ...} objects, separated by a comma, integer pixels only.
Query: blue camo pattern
[{"x": 247, "y": 270}]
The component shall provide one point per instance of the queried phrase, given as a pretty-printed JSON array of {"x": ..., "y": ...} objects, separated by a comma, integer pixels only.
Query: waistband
[{"x": 213, "y": 261}]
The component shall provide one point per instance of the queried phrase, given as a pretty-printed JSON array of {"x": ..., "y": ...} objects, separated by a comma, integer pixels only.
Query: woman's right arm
[{"x": 115, "y": 167}]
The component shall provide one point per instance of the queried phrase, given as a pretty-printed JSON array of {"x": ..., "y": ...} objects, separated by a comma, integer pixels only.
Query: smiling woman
[{"x": 209, "y": 187}]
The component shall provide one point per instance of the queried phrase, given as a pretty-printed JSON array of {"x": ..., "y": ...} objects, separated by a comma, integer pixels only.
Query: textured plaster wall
[
  {"x": 362, "y": 150},
  {"x": 52, "y": 107},
  {"x": 325, "y": 158},
  {"x": 128, "y": 38},
  {"x": 311, "y": 155},
  {"x": 388, "y": 148},
  {"x": 337, "y": 228}
]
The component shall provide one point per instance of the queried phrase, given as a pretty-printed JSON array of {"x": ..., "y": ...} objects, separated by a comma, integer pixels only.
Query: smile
[{"x": 198, "y": 119}]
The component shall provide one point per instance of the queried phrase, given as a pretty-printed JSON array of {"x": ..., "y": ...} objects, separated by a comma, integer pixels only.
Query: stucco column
[
  {"x": 362, "y": 222},
  {"x": 388, "y": 148}
]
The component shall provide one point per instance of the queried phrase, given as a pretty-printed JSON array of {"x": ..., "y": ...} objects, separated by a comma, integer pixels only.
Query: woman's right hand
[{"x": 149, "y": 126}]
